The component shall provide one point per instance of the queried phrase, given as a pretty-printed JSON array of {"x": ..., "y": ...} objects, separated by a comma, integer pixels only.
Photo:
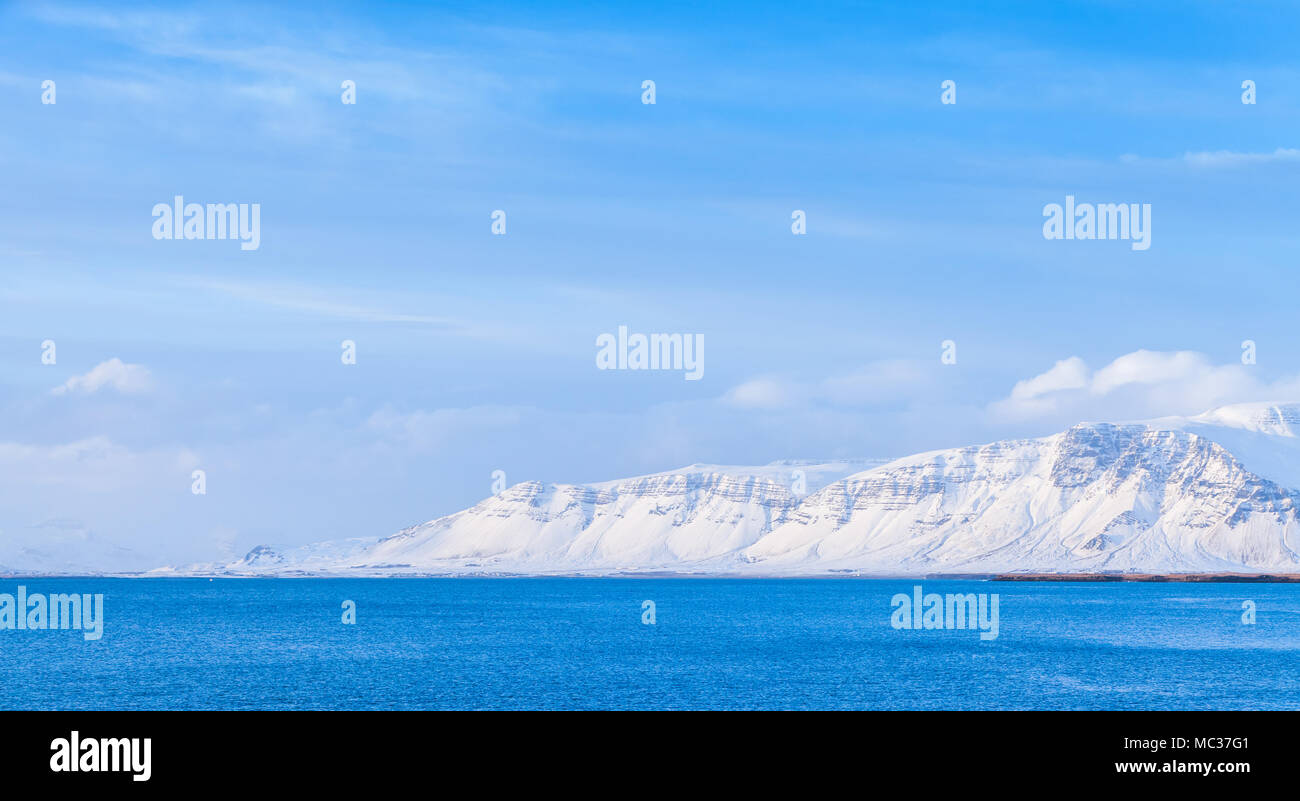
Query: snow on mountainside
[
  {"x": 1264, "y": 436},
  {"x": 1216, "y": 492}
]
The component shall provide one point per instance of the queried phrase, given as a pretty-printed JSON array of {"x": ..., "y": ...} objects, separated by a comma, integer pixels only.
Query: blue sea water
[{"x": 577, "y": 643}]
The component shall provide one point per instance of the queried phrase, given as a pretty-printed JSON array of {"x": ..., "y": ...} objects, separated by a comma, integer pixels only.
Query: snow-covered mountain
[{"x": 1216, "y": 492}]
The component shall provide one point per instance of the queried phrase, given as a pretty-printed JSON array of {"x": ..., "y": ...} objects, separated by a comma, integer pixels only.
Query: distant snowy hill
[
  {"x": 59, "y": 548},
  {"x": 1216, "y": 492}
]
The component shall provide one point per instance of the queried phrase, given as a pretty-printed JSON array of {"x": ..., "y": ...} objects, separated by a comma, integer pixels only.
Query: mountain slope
[
  {"x": 1098, "y": 497},
  {"x": 1210, "y": 493}
]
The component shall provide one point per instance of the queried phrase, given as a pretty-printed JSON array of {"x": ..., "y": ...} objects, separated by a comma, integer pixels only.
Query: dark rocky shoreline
[{"x": 1227, "y": 578}]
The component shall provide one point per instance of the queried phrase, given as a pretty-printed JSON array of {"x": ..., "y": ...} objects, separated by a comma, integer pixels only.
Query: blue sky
[{"x": 476, "y": 352}]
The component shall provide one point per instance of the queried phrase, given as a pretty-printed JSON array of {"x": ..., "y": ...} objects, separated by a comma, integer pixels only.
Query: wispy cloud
[
  {"x": 875, "y": 383},
  {"x": 1228, "y": 158},
  {"x": 317, "y": 302},
  {"x": 128, "y": 379}
]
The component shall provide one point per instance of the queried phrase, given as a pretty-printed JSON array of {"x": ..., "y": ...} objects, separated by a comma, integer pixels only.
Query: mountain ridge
[{"x": 1210, "y": 493}]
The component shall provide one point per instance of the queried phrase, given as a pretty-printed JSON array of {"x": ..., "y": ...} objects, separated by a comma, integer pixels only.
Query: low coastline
[{"x": 1224, "y": 578}]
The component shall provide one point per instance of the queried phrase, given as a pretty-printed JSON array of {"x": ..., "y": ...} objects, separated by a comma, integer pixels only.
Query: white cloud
[
  {"x": 764, "y": 393},
  {"x": 129, "y": 379},
  {"x": 1149, "y": 367},
  {"x": 1138, "y": 385},
  {"x": 1036, "y": 395},
  {"x": 1071, "y": 373}
]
